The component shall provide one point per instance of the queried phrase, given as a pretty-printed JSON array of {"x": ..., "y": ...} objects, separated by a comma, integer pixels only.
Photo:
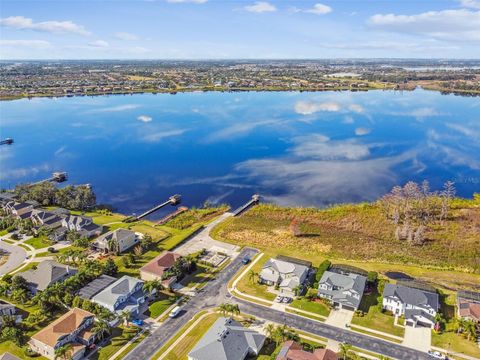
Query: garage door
[
  {"x": 346, "y": 307},
  {"x": 423, "y": 324}
]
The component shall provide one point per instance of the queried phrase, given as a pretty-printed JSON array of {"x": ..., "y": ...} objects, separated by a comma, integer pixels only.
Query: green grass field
[
  {"x": 120, "y": 337},
  {"x": 159, "y": 306},
  {"x": 253, "y": 287},
  {"x": 311, "y": 306},
  {"x": 39, "y": 242}
]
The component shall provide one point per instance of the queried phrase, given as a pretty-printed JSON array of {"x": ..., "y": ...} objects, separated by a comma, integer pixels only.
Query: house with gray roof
[
  {"x": 7, "y": 309},
  {"x": 48, "y": 219},
  {"x": 419, "y": 307},
  {"x": 287, "y": 275},
  {"x": 82, "y": 224},
  {"x": 227, "y": 339},
  {"x": 125, "y": 294},
  {"x": 343, "y": 290},
  {"x": 47, "y": 273},
  {"x": 8, "y": 356},
  {"x": 95, "y": 286},
  {"x": 116, "y": 241}
]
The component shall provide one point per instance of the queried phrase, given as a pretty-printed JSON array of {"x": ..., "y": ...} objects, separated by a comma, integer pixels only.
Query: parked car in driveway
[
  {"x": 279, "y": 299},
  {"x": 137, "y": 322},
  {"x": 175, "y": 311}
]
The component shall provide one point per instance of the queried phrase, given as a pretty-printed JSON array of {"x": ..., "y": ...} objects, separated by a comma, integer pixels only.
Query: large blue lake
[{"x": 292, "y": 148}]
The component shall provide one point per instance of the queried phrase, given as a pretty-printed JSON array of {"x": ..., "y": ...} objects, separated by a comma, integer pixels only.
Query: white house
[
  {"x": 84, "y": 225},
  {"x": 419, "y": 307},
  {"x": 120, "y": 239},
  {"x": 287, "y": 275}
]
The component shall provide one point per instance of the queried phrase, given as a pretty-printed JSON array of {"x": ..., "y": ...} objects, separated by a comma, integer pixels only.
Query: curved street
[
  {"x": 215, "y": 293},
  {"x": 16, "y": 257}
]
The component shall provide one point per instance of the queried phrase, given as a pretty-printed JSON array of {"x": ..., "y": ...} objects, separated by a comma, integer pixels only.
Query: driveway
[
  {"x": 339, "y": 318},
  {"x": 16, "y": 257},
  {"x": 202, "y": 240},
  {"x": 419, "y": 338}
]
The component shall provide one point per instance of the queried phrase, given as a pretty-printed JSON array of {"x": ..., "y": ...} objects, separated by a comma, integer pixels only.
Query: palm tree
[
  {"x": 125, "y": 316},
  {"x": 112, "y": 246},
  {"x": 152, "y": 286},
  {"x": 345, "y": 349},
  {"x": 223, "y": 308},
  {"x": 297, "y": 289},
  {"x": 270, "y": 329},
  {"x": 251, "y": 276},
  {"x": 101, "y": 329},
  {"x": 470, "y": 329},
  {"x": 64, "y": 352},
  {"x": 234, "y": 309}
]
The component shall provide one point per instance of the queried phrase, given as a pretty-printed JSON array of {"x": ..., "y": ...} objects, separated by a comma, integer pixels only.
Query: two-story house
[
  {"x": 20, "y": 210},
  {"x": 343, "y": 290},
  {"x": 72, "y": 328},
  {"x": 419, "y": 307},
  {"x": 289, "y": 276},
  {"x": 116, "y": 241},
  {"x": 47, "y": 219},
  {"x": 125, "y": 294},
  {"x": 7, "y": 309},
  {"x": 82, "y": 224}
]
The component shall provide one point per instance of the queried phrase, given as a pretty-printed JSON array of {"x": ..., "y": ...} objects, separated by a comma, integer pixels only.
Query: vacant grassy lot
[
  {"x": 451, "y": 341},
  {"x": 360, "y": 235}
]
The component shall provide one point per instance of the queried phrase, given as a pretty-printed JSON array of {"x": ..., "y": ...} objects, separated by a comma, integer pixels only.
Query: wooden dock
[
  {"x": 172, "y": 215},
  {"x": 253, "y": 201},
  {"x": 57, "y": 177},
  {"x": 172, "y": 200}
]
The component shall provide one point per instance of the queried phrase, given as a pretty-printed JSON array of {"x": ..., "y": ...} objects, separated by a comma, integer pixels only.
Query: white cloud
[
  {"x": 308, "y": 108},
  {"x": 473, "y": 4},
  {"x": 261, "y": 7},
  {"x": 144, "y": 118},
  {"x": 99, "y": 43},
  {"x": 455, "y": 25},
  {"x": 237, "y": 129},
  {"x": 318, "y": 146},
  {"x": 361, "y": 131},
  {"x": 37, "y": 44},
  {"x": 422, "y": 113},
  {"x": 319, "y": 9},
  {"x": 126, "y": 36},
  {"x": 187, "y": 1},
  {"x": 23, "y": 23},
  {"x": 356, "y": 108},
  {"x": 348, "y": 120},
  {"x": 160, "y": 135}
]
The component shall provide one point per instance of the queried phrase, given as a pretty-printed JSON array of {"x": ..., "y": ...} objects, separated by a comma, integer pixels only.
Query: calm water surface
[{"x": 293, "y": 148}]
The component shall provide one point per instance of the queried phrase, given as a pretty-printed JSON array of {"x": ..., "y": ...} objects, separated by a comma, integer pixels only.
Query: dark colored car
[{"x": 245, "y": 260}]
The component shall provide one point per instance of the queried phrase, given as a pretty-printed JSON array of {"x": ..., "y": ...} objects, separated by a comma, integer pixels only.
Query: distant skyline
[{"x": 212, "y": 29}]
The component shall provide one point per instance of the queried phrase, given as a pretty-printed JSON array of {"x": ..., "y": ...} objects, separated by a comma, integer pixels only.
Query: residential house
[
  {"x": 8, "y": 356},
  {"x": 289, "y": 276},
  {"x": 125, "y": 294},
  {"x": 343, "y": 290},
  {"x": 468, "y": 305},
  {"x": 227, "y": 339},
  {"x": 45, "y": 218},
  {"x": 157, "y": 268},
  {"x": 7, "y": 309},
  {"x": 20, "y": 210},
  {"x": 95, "y": 286},
  {"x": 75, "y": 328},
  {"x": 47, "y": 273},
  {"x": 419, "y": 307},
  {"x": 116, "y": 241},
  {"x": 292, "y": 350},
  {"x": 82, "y": 224}
]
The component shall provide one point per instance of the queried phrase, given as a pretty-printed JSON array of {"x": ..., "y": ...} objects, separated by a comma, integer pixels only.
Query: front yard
[
  {"x": 252, "y": 287},
  {"x": 452, "y": 341},
  {"x": 120, "y": 337},
  {"x": 158, "y": 307},
  {"x": 311, "y": 306},
  {"x": 374, "y": 318},
  {"x": 39, "y": 242}
]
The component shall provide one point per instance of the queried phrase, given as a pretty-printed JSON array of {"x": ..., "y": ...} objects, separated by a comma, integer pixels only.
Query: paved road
[
  {"x": 211, "y": 295},
  {"x": 16, "y": 257},
  {"x": 332, "y": 332},
  {"x": 215, "y": 292}
]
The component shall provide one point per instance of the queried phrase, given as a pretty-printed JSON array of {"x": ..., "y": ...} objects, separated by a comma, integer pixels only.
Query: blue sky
[{"x": 224, "y": 29}]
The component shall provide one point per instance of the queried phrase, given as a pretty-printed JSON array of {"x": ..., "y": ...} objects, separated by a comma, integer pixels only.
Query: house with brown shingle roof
[
  {"x": 468, "y": 305},
  {"x": 156, "y": 268},
  {"x": 292, "y": 350},
  {"x": 72, "y": 328}
]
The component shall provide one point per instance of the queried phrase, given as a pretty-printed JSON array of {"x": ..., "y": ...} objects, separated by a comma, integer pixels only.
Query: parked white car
[
  {"x": 437, "y": 355},
  {"x": 175, "y": 311}
]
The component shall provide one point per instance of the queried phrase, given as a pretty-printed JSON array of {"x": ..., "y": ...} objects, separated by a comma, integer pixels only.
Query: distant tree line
[
  {"x": 412, "y": 207},
  {"x": 80, "y": 197}
]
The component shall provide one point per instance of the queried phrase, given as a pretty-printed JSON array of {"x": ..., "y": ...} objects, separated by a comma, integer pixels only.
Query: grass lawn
[
  {"x": 359, "y": 235},
  {"x": 120, "y": 337},
  {"x": 132, "y": 345},
  {"x": 39, "y": 242},
  {"x": 181, "y": 350},
  {"x": 311, "y": 306},
  {"x": 201, "y": 274},
  {"x": 159, "y": 306},
  {"x": 451, "y": 341},
  {"x": 253, "y": 287},
  {"x": 374, "y": 318}
]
